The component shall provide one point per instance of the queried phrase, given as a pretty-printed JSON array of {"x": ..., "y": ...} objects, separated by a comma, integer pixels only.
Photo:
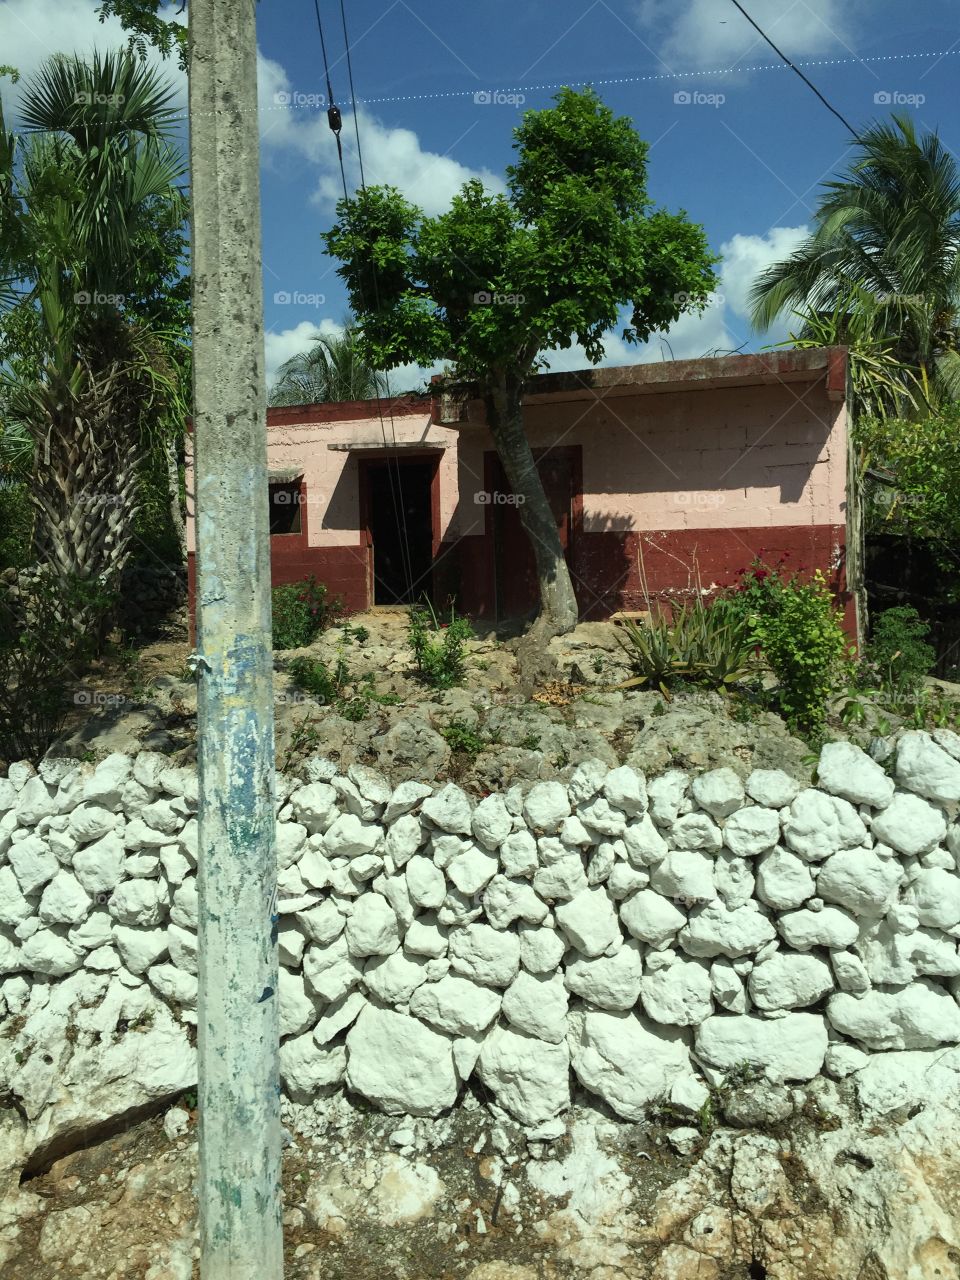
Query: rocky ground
[
  {"x": 817, "y": 1183},
  {"x": 149, "y": 700}
]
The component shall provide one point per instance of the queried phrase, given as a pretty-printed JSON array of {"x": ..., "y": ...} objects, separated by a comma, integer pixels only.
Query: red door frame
[{"x": 364, "y": 464}]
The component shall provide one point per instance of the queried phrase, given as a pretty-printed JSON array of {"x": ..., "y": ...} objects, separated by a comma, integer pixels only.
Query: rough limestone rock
[
  {"x": 643, "y": 843},
  {"x": 685, "y": 876},
  {"x": 846, "y": 771},
  {"x": 425, "y": 937},
  {"x": 589, "y": 921},
  {"x": 50, "y": 954},
  {"x": 491, "y": 822},
  {"x": 936, "y": 895},
  {"x": 734, "y": 879},
  {"x": 772, "y": 788},
  {"x": 518, "y": 854},
  {"x": 649, "y": 917},
  {"x": 64, "y": 901},
  {"x": 382, "y": 1038},
  {"x": 924, "y": 767},
  {"x": 337, "y": 1017},
  {"x": 537, "y": 1006},
  {"x": 507, "y": 900},
  {"x": 561, "y": 880},
  {"x": 315, "y": 806},
  {"x": 626, "y": 790},
  {"x": 471, "y": 870},
  {"x": 546, "y": 806},
  {"x": 426, "y": 883},
  {"x": 920, "y": 1016},
  {"x": 830, "y": 927},
  {"x": 751, "y": 831},
  {"x": 308, "y": 1069},
  {"x": 696, "y": 831},
  {"x": 784, "y": 880},
  {"x": 488, "y": 956},
  {"x": 331, "y": 971},
  {"x": 456, "y": 1005},
  {"x": 349, "y": 837},
  {"x": 910, "y": 825},
  {"x": 298, "y": 1009},
  {"x": 33, "y": 863},
  {"x": 861, "y": 881},
  {"x": 679, "y": 994},
  {"x": 393, "y": 979},
  {"x": 788, "y": 1048},
  {"x": 719, "y": 792},
  {"x": 631, "y": 1063},
  {"x": 788, "y": 981},
  {"x": 449, "y": 809},
  {"x": 530, "y": 1078},
  {"x": 541, "y": 949},
  {"x": 609, "y": 982},
  {"x": 713, "y": 930},
  {"x": 405, "y": 798}
]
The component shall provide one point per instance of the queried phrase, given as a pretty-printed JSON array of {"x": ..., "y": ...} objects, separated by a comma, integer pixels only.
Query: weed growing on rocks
[{"x": 437, "y": 647}]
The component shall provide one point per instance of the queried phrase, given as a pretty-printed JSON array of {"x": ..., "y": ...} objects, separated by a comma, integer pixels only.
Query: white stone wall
[{"x": 642, "y": 937}]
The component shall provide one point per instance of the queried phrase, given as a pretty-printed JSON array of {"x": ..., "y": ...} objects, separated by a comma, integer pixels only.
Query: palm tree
[
  {"x": 332, "y": 369},
  {"x": 97, "y": 164},
  {"x": 884, "y": 256}
]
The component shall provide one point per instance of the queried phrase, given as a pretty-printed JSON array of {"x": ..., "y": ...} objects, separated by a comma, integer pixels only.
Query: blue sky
[{"x": 737, "y": 140}]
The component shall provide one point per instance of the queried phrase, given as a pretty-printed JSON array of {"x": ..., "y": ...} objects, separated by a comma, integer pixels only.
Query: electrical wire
[
  {"x": 335, "y": 122},
  {"x": 793, "y": 66}
]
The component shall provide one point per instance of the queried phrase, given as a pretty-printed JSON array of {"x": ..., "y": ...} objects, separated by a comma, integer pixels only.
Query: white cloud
[
  {"x": 294, "y": 118},
  {"x": 744, "y": 257},
  {"x": 32, "y": 30},
  {"x": 712, "y": 33}
]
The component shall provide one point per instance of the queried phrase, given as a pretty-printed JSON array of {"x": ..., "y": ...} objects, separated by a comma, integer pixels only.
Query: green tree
[
  {"x": 94, "y": 218},
  {"x": 146, "y": 22},
  {"x": 333, "y": 369},
  {"x": 498, "y": 280},
  {"x": 884, "y": 256}
]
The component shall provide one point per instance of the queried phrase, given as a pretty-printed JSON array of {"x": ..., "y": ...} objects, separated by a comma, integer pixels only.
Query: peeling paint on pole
[{"x": 238, "y": 1028}]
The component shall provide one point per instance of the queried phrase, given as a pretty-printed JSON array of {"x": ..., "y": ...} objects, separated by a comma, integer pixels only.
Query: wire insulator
[{"x": 333, "y": 119}]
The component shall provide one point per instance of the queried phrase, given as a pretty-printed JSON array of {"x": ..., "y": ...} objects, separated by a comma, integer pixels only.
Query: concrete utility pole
[{"x": 238, "y": 1027}]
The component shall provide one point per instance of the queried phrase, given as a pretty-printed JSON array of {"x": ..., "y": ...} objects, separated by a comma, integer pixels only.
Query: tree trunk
[
  {"x": 170, "y": 449},
  {"x": 558, "y": 603}
]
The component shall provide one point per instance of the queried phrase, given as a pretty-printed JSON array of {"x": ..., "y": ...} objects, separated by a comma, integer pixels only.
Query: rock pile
[{"x": 643, "y": 937}]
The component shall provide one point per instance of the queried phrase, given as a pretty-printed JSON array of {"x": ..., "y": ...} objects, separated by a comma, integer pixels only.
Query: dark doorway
[{"x": 400, "y": 526}]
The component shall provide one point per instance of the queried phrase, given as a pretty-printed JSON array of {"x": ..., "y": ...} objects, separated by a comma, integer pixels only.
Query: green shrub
[
  {"x": 438, "y": 647},
  {"x": 301, "y": 610},
  {"x": 898, "y": 651},
  {"x": 461, "y": 737},
  {"x": 798, "y": 629},
  {"x": 16, "y": 526},
  {"x": 702, "y": 644}
]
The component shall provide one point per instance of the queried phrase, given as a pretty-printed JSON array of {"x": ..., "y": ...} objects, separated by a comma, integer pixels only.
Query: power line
[
  {"x": 335, "y": 122},
  {"x": 793, "y": 66}
]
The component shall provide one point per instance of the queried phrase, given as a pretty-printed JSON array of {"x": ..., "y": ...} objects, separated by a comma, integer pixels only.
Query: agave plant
[{"x": 704, "y": 643}]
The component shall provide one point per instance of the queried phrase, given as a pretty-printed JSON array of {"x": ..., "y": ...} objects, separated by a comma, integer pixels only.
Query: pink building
[{"x": 662, "y": 477}]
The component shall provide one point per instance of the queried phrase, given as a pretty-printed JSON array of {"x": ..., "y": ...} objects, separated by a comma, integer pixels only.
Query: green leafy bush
[
  {"x": 301, "y": 610},
  {"x": 16, "y": 525},
  {"x": 42, "y": 654},
  {"x": 438, "y": 647},
  {"x": 898, "y": 652},
  {"x": 798, "y": 629},
  {"x": 461, "y": 737},
  {"x": 703, "y": 644}
]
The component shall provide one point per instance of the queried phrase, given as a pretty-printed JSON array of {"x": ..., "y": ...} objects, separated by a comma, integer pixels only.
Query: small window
[{"x": 285, "y": 500}]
